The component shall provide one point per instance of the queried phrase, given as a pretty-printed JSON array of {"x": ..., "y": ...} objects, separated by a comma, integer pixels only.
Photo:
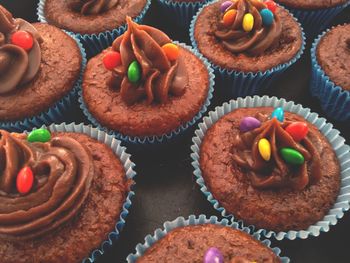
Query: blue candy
[
  {"x": 267, "y": 17},
  {"x": 278, "y": 113}
]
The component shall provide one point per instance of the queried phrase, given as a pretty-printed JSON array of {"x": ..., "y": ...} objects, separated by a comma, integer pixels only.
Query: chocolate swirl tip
[
  {"x": 92, "y": 7},
  {"x": 159, "y": 76},
  {"x": 63, "y": 172},
  {"x": 264, "y": 28},
  {"x": 275, "y": 173}
]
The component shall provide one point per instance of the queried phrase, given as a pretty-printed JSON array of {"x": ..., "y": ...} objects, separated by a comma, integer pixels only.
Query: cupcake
[
  {"x": 314, "y": 15},
  {"x": 145, "y": 88},
  {"x": 204, "y": 240},
  {"x": 40, "y": 69},
  {"x": 62, "y": 193},
  {"x": 181, "y": 11},
  {"x": 272, "y": 165},
  {"x": 248, "y": 42},
  {"x": 330, "y": 71},
  {"x": 96, "y": 22}
]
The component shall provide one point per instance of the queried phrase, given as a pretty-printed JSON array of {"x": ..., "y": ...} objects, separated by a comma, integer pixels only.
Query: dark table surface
[{"x": 166, "y": 186}]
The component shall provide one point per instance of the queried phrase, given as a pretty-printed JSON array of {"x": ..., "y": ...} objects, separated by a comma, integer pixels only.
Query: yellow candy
[
  {"x": 248, "y": 22},
  {"x": 229, "y": 17},
  {"x": 264, "y": 149}
]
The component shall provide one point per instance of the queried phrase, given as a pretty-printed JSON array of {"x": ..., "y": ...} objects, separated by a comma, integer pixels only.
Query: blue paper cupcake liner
[
  {"x": 129, "y": 166},
  {"x": 181, "y": 12},
  {"x": 165, "y": 137},
  {"x": 56, "y": 113},
  {"x": 193, "y": 220},
  {"x": 241, "y": 84},
  {"x": 338, "y": 143},
  {"x": 95, "y": 43},
  {"x": 316, "y": 20},
  {"x": 335, "y": 101}
]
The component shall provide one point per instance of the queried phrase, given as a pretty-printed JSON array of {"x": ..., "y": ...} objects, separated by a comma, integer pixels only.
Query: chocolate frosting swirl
[
  {"x": 160, "y": 76},
  {"x": 92, "y": 7},
  {"x": 63, "y": 173},
  {"x": 236, "y": 40},
  {"x": 275, "y": 173},
  {"x": 17, "y": 66}
]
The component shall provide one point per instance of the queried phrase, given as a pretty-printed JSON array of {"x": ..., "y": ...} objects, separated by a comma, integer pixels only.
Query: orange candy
[
  {"x": 229, "y": 17},
  {"x": 171, "y": 51}
]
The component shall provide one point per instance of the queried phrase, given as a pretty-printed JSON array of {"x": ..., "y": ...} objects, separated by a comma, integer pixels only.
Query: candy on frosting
[
  {"x": 92, "y": 7},
  {"x": 293, "y": 164},
  {"x": 19, "y": 61},
  {"x": 154, "y": 73},
  {"x": 251, "y": 31},
  {"x": 62, "y": 170}
]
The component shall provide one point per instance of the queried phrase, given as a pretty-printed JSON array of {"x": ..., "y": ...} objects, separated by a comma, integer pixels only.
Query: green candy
[
  {"x": 39, "y": 135},
  {"x": 134, "y": 72},
  {"x": 292, "y": 156}
]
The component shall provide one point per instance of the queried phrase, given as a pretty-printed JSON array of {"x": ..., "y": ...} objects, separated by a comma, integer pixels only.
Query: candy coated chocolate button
[
  {"x": 248, "y": 22},
  {"x": 229, "y": 17},
  {"x": 134, "y": 72},
  {"x": 111, "y": 60},
  {"x": 271, "y": 5},
  {"x": 24, "y": 180},
  {"x": 292, "y": 156},
  {"x": 213, "y": 255},
  {"x": 39, "y": 135},
  {"x": 225, "y": 5},
  {"x": 171, "y": 51},
  {"x": 249, "y": 123},
  {"x": 278, "y": 113},
  {"x": 298, "y": 130},
  {"x": 264, "y": 149},
  {"x": 267, "y": 17},
  {"x": 22, "y": 39}
]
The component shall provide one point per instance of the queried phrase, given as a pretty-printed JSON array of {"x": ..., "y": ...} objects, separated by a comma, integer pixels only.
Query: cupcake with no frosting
[
  {"x": 314, "y": 15},
  {"x": 198, "y": 240},
  {"x": 40, "y": 70},
  {"x": 248, "y": 42},
  {"x": 60, "y": 188},
  {"x": 146, "y": 88},
  {"x": 331, "y": 70},
  {"x": 282, "y": 169},
  {"x": 97, "y": 22}
]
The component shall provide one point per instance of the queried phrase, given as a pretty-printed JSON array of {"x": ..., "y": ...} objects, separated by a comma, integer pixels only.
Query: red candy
[
  {"x": 111, "y": 60},
  {"x": 298, "y": 130},
  {"x": 271, "y": 5},
  {"x": 22, "y": 39},
  {"x": 25, "y": 179}
]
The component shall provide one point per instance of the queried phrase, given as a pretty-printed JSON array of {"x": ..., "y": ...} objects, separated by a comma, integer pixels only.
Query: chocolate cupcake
[
  {"x": 314, "y": 15},
  {"x": 248, "y": 42},
  {"x": 40, "y": 69},
  {"x": 330, "y": 71},
  {"x": 204, "y": 240},
  {"x": 181, "y": 11},
  {"x": 61, "y": 189},
  {"x": 145, "y": 88},
  {"x": 97, "y": 22},
  {"x": 272, "y": 168}
]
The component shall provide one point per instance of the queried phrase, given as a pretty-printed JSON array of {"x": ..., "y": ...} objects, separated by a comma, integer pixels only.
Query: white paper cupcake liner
[
  {"x": 194, "y": 220},
  {"x": 149, "y": 140},
  {"x": 338, "y": 143},
  {"x": 129, "y": 166}
]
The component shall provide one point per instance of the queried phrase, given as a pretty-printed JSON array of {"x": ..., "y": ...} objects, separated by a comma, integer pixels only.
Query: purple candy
[
  {"x": 249, "y": 123},
  {"x": 213, "y": 255},
  {"x": 225, "y": 5}
]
